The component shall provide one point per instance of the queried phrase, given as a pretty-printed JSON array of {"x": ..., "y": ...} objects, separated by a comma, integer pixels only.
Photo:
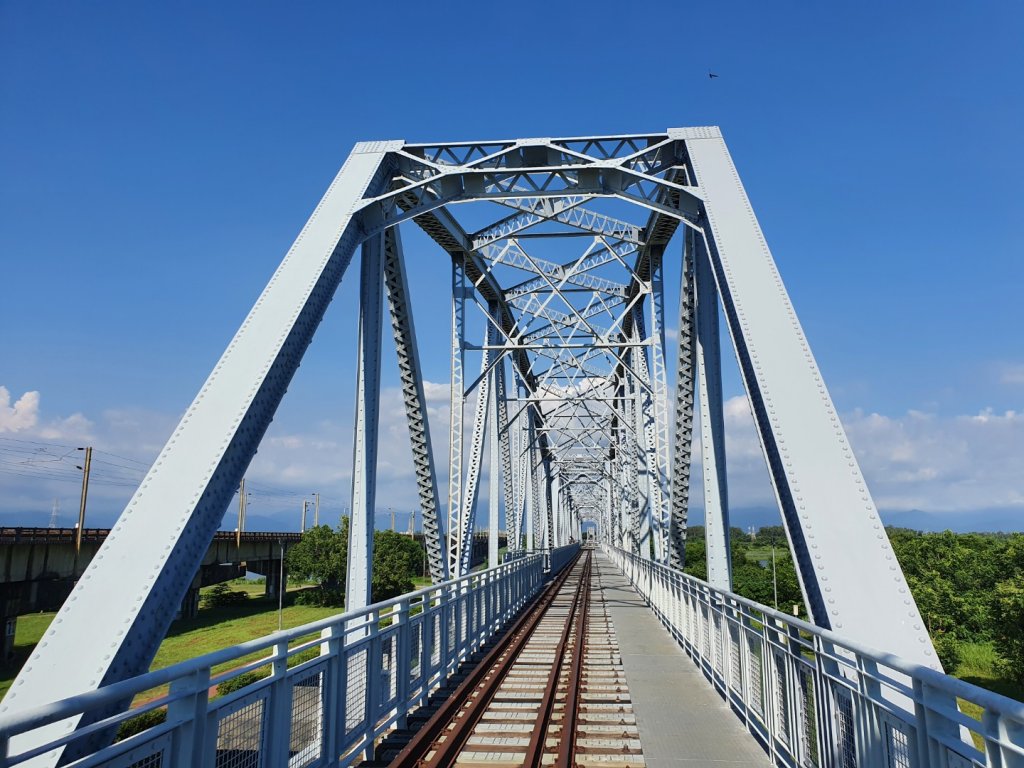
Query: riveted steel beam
[{"x": 134, "y": 585}]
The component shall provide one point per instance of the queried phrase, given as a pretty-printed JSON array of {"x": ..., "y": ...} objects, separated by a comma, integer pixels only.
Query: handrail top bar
[
  {"x": 17, "y": 722},
  {"x": 991, "y": 700}
]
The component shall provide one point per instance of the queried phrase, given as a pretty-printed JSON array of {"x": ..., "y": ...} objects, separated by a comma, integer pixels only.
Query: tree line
[
  {"x": 969, "y": 587},
  {"x": 322, "y": 558}
]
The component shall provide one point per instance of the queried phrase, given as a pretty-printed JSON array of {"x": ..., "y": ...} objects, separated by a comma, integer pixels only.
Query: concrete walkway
[{"x": 681, "y": 719}]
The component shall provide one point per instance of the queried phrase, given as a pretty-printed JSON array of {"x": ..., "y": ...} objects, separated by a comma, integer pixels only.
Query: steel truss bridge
[{"x": 562, "y": 384}]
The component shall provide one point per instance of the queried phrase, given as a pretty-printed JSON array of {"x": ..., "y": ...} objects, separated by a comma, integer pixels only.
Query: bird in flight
[{"x": 712, "y": 75}]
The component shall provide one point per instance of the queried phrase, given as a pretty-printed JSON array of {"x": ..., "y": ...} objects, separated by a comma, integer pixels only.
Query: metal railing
[
  {"x": 332, "y": 687},
  {"x": 813, "y": 698},
  {"x": 554, "y": 559}
]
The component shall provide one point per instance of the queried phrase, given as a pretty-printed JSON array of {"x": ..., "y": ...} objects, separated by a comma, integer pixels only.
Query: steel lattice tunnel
[{"x": 558, "y": 251}]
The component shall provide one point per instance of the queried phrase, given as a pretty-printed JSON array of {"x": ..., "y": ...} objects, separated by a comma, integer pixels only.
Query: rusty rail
[{"x": 467, "y": 704}]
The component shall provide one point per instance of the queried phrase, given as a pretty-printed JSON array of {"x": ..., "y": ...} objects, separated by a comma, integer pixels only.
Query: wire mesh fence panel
[
  {"x": 435, "y": 636},
  {"x": 897, "y": 745},
  {"x": 305, "y": 743},
  {"x": 415, "y": 653},
  {"x": 755, "y": 678},
  {"x": 240, "y": 735},
  {"x": 355, "y": 694},
  {"x": 693, "y": 628},
  {"x": 719, "y": 639},
  {"x": 781, "y": 698},
  {"x": 806, "y": 707},
  {"x": 454, "y": 611},
  {"x": 151, "y": 761},
  {"x": 463, "y": 629},
  {"x": 735, "y": 661},
  {"x": 956, "y": 760},
  {"x": 150, "y": 754},
  {"x": 844, "y": 729},
  {"x": 705, "y": 635},
  {"x": 388, "y": 670},
  {"x": 480, "y": 610}
]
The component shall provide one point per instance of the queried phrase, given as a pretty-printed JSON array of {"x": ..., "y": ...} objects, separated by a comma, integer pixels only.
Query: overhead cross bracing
[{"x": 560, "y": 384}]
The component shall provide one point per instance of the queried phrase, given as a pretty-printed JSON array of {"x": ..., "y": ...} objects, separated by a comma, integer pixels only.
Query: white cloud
[
  {"x": 1012, "y": 374},
  {"x": 924, "y": 461},
  {"x": 22, "y": 415},
  {"x": 915, "y": 461}
]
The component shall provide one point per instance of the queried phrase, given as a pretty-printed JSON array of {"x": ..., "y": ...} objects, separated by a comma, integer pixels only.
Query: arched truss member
[{"x": 573, "y": 347}]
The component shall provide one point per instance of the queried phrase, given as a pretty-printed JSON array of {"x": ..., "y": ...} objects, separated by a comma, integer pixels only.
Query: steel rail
[
  {"x": 566, "y": 755},
  {"x": 538, "y": 738},
  {"x": 465, "y": 706}
]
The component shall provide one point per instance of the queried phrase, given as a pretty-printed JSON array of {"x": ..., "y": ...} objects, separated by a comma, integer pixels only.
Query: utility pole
[
  {"x": 305, "y": 503},
  {"x": 241, "y": 513},
  {"x": 85, "y": 494},
  {"x": 280, "y": 588},
  {"x": 316, "y": 510},
  {"x": 392, "y": 511},
  {"x": 775, "y": 582}
]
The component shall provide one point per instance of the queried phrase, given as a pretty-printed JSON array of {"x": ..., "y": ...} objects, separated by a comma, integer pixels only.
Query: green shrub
[
  {"x": 220, "y": 596},
  {"x": 320, "y": 597},
  {"x": 248, "y": 678},
  {"x": 948, "y": 649},
  {"x": 242, "y": 680},
  {"x": 140, "y": 723}
]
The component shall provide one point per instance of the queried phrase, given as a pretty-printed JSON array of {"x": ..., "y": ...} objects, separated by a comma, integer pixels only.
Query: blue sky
[{"x": 156, "y": 162}]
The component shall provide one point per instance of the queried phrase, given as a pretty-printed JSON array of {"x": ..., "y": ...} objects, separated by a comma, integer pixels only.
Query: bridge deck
[{"x": 681, "y": 719}]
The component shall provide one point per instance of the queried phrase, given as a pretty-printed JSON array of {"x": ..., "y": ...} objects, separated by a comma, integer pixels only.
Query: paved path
[{"x": 681, "y": 719}]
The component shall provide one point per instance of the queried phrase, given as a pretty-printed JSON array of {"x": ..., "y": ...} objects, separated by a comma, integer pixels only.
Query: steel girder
[
  {"x": 505, "y": 435},
  {"x": 572, "y": 329},
  {"x": 712, "y": 425},
  {"x": 411, "y": 376},
  {"x": 848, "y": 572},
  {"x": 457, "y": 401},
  {"x": 366, "y": 427},
  {"x": 112, "y": 624},
  {"x": 683, "y": 436}
]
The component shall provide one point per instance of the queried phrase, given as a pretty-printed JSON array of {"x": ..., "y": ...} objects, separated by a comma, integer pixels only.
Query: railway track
[{"x": 551, "y": 693}]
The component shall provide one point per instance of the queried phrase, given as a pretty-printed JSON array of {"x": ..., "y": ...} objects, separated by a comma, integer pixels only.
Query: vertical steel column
[
  {"x": 682, "y": 454},
  {"x": 364, "y": 460},
  {"x": 493, "y": 468},
  {"x": 411, "y": 376},
  {"x": 549, "y": 527},
  {"x": 529, "y": 486},
  {"x": 467, "y": 521},
  {"x": 149, "y": 559},
  {"x": 631, "y": 458},
  {"x": 507, "y": 446},
  {"x": 459, "y": 294},
  {"x": 661, "y": 501},
  {"x": 712, "y": 433},
  {"x": 832, "y": 523},
  {"x": 557, "y": 510},
  {"x": 647, "y": 439}
]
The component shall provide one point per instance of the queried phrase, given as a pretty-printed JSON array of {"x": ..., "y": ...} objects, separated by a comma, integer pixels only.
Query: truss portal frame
[{"x": 558, "y": 337}]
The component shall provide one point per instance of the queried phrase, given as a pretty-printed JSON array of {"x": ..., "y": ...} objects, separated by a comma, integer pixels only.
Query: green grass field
[
  {"x": 211, "y": 630},
  {"x": 216, "y": 628},
  {"x": 757, "y": 554}
]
